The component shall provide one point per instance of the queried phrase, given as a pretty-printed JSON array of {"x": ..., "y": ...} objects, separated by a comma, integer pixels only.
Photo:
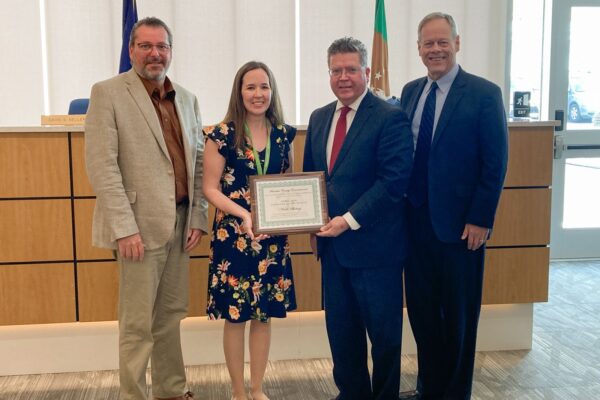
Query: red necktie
[{"x": 339, "y": 136}]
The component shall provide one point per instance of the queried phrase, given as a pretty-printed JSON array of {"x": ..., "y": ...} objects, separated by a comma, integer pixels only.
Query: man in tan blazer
[{"x": 144, "y": 159}]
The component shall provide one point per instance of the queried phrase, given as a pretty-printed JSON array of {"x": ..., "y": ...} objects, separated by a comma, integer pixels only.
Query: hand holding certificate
[{"x": 288, "y": 203}]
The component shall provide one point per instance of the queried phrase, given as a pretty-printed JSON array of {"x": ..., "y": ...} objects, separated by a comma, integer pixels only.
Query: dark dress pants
[
  {"x": 361, "y": 301},
  {"x": 443, "y": 295}
]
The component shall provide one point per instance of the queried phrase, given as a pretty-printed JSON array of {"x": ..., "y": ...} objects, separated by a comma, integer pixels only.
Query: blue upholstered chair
[
  {"x": 79, "y": 106},
  {"x": 394, "y": 101}
]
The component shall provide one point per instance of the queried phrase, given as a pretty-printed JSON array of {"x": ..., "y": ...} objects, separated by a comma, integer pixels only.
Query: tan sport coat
[{"x": 129, "y": 166}]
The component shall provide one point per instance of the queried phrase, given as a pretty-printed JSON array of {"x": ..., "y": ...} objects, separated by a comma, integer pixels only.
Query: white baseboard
[{"x": 92, "y": 346}]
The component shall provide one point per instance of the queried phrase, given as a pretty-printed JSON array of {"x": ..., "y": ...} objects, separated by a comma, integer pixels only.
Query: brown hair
[
  {"x": 152, "y": 22},
  {"x": 236, "y": 111},
  {"x": 348, "y": 45}
]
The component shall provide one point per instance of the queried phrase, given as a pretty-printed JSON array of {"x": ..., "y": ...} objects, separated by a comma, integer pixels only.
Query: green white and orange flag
[{"x": 380, "y": 83}]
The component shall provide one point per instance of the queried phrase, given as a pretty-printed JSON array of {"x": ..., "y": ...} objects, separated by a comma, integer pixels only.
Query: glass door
[{"x": 575, "y": 89}]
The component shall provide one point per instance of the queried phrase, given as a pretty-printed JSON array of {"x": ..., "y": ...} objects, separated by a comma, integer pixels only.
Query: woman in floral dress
[{"x": 250, "y": 276}]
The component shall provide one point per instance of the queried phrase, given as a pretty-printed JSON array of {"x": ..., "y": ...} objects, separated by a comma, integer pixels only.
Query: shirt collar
[
  {"x": 445, "y": 81},
  {"x": 151, "y": 89},
  {"x": 355, "y": 104}
]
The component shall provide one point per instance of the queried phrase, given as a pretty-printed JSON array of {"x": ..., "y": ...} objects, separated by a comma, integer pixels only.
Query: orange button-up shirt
[{"x": 171, "y": 128}]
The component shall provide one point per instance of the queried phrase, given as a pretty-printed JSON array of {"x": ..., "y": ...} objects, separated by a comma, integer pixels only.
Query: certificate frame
[{"x": 283, "y": 204}]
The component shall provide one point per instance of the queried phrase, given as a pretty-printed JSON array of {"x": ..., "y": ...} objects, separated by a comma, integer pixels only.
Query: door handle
[{"x": 559, "y": 146}]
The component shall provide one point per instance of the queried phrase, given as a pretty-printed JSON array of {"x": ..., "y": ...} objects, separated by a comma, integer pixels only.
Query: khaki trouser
[{"x": 153, "y": 299}]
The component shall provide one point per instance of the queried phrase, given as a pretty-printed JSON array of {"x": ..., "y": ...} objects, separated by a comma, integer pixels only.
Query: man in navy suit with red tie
[
  {"x": 460, "y": 135},
  {"x": 365, "y": 148}
]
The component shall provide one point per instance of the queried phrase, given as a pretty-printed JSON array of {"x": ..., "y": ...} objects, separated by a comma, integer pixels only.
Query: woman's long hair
[{"x": 236, "y": 111}]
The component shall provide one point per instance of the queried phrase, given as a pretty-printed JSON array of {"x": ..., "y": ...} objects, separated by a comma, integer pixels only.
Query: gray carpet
[{"x": 564, "y": 362}]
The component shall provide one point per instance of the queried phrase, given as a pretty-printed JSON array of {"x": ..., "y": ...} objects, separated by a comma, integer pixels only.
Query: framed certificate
[{"x": 288, "y": 203}]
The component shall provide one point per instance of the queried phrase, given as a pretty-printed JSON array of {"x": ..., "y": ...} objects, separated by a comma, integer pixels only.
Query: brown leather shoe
[{"x": 187, "y": 396}]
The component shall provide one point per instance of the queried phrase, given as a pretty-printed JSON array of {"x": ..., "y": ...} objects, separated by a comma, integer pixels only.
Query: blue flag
[{"x": 129, "y": 19}]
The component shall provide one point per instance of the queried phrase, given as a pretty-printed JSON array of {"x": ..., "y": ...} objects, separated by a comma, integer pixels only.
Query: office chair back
[{"x": 78, "y": 106}]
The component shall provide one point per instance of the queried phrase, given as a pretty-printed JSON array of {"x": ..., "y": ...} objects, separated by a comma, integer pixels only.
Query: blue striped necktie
[{"x": 417, "y": 188}]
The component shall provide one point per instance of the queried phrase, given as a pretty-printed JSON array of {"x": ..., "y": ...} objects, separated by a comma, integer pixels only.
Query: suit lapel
[
  {"x": 185, "y": 129},
  {"x": 140, "y": 95},
  {"x": 414, "y": 100},
  {"x": 457, "y": 91},
  {"x": 360, "y": 119}
]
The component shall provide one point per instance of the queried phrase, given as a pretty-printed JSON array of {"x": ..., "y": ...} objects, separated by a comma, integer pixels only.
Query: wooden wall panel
[
  {"x": 299, "y": 243},
  {"x": 298, "y": 145},
  {"x": 531, "y": 155},
  {"x": 81, "y": 184},
  {"x": 84, "y": 211},
  {"x": 98, "y": 291},
  {"x": 34, "y": 165},
  {"x": 517, "y": 275},
  {"x": 307, "y": 278},
  {"x": 198, "y": 287},
  {"x": 523, "y": 218},
  {"x": 35, "y": 230},
  {"x": 37, "y": 294}
]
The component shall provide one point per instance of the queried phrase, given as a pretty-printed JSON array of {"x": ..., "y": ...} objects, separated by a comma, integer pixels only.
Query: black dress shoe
[{"x": 410, "y": 395}]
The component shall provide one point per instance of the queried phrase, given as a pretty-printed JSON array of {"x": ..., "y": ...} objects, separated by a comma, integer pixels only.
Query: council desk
[{"x": 50, "y": 273}]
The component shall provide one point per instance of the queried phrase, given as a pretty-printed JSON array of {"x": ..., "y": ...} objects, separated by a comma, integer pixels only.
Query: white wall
[{"x": 213, "y": 38}]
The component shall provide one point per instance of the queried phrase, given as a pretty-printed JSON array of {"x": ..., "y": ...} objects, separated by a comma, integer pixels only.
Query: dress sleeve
[
  {"x": 290, "y": 131},
  {"x": 221, "y": 134}
]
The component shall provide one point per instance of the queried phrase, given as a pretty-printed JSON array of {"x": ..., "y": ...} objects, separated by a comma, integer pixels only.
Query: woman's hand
[{"x": 247, "y": 228}]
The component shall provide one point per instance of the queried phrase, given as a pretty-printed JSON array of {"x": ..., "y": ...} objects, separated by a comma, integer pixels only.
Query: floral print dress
[{"x": 248, "y": 279}]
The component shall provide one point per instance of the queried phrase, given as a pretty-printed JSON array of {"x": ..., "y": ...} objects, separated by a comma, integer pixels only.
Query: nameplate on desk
[{"x": 70, "y": 120}]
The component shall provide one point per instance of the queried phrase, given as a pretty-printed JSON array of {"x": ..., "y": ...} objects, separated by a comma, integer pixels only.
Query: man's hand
[
  {"x": 334, "y": 228},
  {"x": 131, "y": 247},
  {"x": 475, "y": 235},
  {"x": 193, "y": 239}
]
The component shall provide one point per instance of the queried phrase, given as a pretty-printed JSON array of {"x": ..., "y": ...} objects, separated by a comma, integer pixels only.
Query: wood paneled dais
[
  {"x": 307, "y": 278},
  {"x": 299, "y": 243},
  {"x": 523, "y": 218},
  {"x": 36, "y": 294},
  {"x": 34, "y": 165},
  {"x": 198, "y": 287},
  {"x": 517, "y": 275},
  {"x": 98, "y": 293},
  {"x": 35, "y": 230},
  {"x": 81, "y": 184},
  {"x": 531, "y": 155}
]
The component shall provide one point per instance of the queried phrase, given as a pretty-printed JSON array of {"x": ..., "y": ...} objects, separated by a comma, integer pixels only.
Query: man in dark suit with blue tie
[
  {"x": 460, "y": 134},
  {"x": 365, "y": 148}
]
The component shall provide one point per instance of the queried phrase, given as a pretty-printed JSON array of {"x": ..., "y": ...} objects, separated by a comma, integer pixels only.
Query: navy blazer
[
  {"x": 369, "y": 179},
  {"x": 469, "y": 154}
]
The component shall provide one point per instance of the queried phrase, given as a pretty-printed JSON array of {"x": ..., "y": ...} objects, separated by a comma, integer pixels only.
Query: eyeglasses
[
  {"x": 350, "y": 71},
  {"x": 161, "y": 47}
]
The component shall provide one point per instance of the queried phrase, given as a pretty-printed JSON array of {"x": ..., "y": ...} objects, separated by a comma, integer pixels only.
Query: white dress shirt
[{"x": 354, "y": 225}]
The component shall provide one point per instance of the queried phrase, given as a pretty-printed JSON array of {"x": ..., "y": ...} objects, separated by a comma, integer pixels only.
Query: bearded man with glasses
[{"x": 144, "y": 147}]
